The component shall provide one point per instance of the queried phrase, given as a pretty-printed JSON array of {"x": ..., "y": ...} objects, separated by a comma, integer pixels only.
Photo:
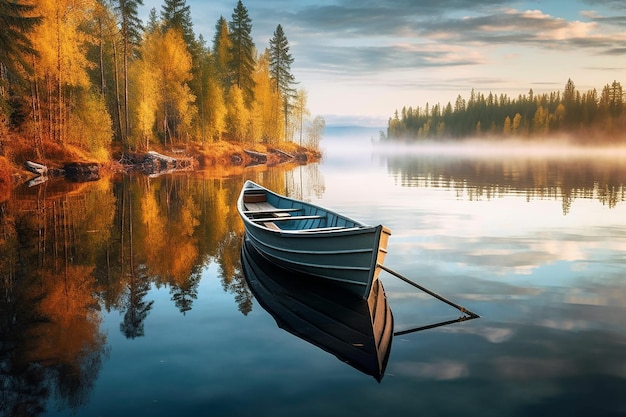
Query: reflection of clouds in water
[
  {"x": 566, "y": 324},
  {"x": 514, "y": 255},
  {"x": 492, "y": 334},
  {"x": 439, "y": 371},
  {"x": 495, "y": 334}
]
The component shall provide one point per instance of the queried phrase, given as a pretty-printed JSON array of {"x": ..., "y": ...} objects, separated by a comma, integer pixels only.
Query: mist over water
[{"x": 504, "y": 148}]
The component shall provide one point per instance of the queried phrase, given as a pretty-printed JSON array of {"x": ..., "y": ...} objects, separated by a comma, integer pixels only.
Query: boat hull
[
  {"x": 357, "y": 331},
  {"x": 318, "y": 242}
]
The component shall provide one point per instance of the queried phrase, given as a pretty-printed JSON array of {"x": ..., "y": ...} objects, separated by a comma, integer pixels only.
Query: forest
[
  {"x": 587, "y": 117},
  {"x": 85, "y": 77}
]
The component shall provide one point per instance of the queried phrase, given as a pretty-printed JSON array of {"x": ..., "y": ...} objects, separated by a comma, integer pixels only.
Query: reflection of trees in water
[
  {"x": 534, "y": 178},
  {"x": 136, "y": 307},
  {"x": 231, "y": 273},
  {"x": 183, "y": 295},
  {"x": 50, "y": 340},
  {"x": 68, "y": 250},
  {"x": 305, "y": 180}
]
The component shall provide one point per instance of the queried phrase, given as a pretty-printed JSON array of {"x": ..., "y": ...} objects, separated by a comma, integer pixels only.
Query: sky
[{"x": 359, "y": 61}]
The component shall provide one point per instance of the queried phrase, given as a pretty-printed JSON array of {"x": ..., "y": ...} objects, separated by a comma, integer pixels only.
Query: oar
[
  {"x": 432, "y": 326},
  {"x": 427, "y": 291}
]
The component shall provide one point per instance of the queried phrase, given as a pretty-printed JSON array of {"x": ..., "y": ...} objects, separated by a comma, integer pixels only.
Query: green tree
[
  {"x": 176, "y": 14},
  {"x": 130, "y": 29},
  {"x": 280, "y": 72},
  {"x": 616, "y": 98},
  {"x": 15, "y": 49},
  {"x": 15, "y": 46},
  {"x": 242, "y": 52}
]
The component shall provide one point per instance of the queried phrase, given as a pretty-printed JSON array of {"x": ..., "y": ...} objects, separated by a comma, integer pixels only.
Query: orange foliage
[
  {"x": 73, "y": 324},
  {"x": 6, "y": 172}
]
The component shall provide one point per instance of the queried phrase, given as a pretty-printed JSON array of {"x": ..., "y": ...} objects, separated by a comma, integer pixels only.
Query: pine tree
[
  {"x": 176, "y": 14},
  {"x": 15, "y": 49},
  {"x": 15, "y": 46},
  {"x": 280, "y": 63},
  {"x": 280, "y": 70},
  {"x": 153, "y": 22},
  {"x": 242, "y": 53},
  {"x": 131, "y": 28}
]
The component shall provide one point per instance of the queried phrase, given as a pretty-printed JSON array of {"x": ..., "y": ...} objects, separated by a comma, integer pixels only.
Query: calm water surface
[{"x": 127, "y": 297}]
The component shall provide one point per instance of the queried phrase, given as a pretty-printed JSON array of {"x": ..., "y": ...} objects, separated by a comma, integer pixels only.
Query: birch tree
[
  {"x": 166, "y": 53},
  {"x": 62, "y": 61}
]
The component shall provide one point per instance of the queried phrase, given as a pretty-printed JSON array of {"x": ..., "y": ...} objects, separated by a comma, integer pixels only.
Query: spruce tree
[
  {"x": 280, "y": 63},
  {"x": 280, "y": 70},
  {"x": 176, "y": 14},
  {"x": 242, "y": 52},
  {"x": 131, "y": 28},
  {"x": 15, "y": 45}
]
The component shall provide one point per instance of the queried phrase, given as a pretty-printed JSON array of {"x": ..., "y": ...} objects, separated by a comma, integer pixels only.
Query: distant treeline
[{"x": 589, "y": 115}]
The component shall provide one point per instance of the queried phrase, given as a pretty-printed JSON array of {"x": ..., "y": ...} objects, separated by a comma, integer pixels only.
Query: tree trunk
[
  {"x": 126, "y": 118},
  {"x": 118, "y": 105}
]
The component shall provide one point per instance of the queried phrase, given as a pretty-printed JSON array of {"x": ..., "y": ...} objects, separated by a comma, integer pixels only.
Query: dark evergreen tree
[
  {"x": 15, "y": 49},
  {"x": 176, "y": 14},
  {"x": 242, "y": 52},
  {"x": 131, "y": 29},
  {"x": 280, "y": 63},
  {"x": 153, "y": 21},
  {"x": 280, "y": 70},
  {"x": 15, "y": 46},
  {"x": 616, "y": 99}
]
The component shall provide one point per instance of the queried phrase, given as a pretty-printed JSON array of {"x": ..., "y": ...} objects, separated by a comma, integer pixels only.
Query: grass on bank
[{"x": 15, "y": 150}]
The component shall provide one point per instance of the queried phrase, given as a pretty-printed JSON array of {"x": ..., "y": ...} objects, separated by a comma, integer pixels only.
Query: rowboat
[
  {"x": 307, "y": 238},
  {"x": 356, "y": 331}
]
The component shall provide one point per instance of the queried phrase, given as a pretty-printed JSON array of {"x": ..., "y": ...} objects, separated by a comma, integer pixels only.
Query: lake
[{"x": 126, "y": 296}]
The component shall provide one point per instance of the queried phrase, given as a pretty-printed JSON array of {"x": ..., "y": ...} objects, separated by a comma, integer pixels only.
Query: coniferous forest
[
  {"x": 91, "y": 76},
  {"x": 588, "y": 117}
]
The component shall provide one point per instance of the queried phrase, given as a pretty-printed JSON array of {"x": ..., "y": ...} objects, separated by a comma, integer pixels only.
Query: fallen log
[
  {"x": 283, "y": 154},
  {"x": 36, "y": 168},
  {"x": 163, "y": 158},
  {"x": 257, "y": 157}
]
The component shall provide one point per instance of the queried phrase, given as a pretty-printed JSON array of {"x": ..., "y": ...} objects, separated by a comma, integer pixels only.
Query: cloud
[
  {"x": 356, "y": 39},
  {"x": 369, "y": 36},
  {"x": 420, "y": 51},
  {"x": 611, "y": 4}
]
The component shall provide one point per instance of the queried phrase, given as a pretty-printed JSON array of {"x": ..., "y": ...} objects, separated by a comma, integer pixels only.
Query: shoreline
[{"x": 225, "y": 156}]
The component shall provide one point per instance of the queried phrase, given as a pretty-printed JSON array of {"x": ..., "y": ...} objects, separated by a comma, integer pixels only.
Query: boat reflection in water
[{"x": 357, "y": 331}]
